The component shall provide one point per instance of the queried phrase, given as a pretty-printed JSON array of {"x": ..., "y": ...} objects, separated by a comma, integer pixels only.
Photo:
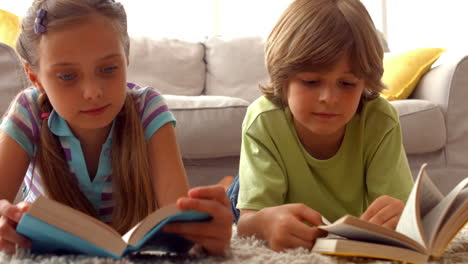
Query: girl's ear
[{"x": 32, "y": 75}]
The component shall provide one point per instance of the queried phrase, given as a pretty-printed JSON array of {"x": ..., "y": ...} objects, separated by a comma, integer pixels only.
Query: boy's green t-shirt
[{"x": 276, "y": 169}]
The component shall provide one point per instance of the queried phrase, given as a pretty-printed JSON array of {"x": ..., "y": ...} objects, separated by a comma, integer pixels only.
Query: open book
[
  {"x": 56, "y": 228},
  {"x": 427, "y": 225}
]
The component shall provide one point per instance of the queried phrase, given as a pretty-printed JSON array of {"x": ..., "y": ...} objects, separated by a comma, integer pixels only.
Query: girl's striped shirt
[{"x": 23, "y": 122}]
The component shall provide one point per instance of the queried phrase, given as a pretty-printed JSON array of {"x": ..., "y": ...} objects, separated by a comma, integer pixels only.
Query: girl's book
[
  {"x": 56, "y": 228},
  {"x": 427, "y": 225}
]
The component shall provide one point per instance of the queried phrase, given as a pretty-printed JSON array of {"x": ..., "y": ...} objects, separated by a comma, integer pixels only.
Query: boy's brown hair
[{"x": 313, "y": 34}]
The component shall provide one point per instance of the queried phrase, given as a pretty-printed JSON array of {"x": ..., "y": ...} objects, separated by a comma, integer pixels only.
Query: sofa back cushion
[
  {"x": 169, "y": 65},
  {"x": 12, "y": 77},
  {"x": 208, "y": 126},
  {"x": 235, "y": 67}
]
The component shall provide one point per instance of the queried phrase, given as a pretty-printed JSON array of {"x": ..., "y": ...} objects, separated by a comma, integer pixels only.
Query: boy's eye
[
  {"x": 109, "y": 69},
  {"x": 347, "y": 84},
  {"x": 67, "y": 76}
]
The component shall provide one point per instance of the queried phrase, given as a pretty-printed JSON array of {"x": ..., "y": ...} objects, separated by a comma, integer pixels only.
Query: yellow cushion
[
  {"x": 402, "y": 72},
  {"x": 9, "y": 27}
]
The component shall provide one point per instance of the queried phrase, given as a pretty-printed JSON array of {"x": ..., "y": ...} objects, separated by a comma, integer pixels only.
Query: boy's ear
[{"x": 32, "y": 75}]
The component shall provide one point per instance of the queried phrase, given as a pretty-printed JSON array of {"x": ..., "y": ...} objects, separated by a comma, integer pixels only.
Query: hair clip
[
  {"x": 39, "y": 28},
  {"x": 45, "y": 116}
]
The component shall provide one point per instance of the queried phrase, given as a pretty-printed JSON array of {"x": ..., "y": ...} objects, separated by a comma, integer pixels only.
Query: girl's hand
[
  {"x": 214, "y": 236},
  {"x": 384, "y": 211},
  {"x": 9, "y": 217},
  {"x": 285, "y": 226}
]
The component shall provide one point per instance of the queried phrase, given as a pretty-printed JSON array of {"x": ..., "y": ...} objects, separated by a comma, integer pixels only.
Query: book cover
[{"x": 54, "y": 228}]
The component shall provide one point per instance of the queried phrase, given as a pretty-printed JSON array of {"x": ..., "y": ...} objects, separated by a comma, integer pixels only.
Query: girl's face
[
  {"x": 82, "y": 69},
  {"x": 323, "y": 102}
]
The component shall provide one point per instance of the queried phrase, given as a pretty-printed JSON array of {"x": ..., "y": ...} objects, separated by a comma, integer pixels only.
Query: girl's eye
[
  {"x": 67, "y": 76},
  {"x": 109, "y": 69}
]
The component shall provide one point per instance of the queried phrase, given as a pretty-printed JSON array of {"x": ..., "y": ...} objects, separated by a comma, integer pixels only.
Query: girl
[
  {"x": 320, "y": 142},
  {"x": 85, "y": 137}
]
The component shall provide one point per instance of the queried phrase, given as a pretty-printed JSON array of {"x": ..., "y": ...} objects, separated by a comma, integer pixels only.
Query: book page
[
  {"x": 346, "y": 247},
  {"x": 439, "y": 214},
  {"x": 355, "y": 228},
  {"x": 150, "y": 232},
  {"x": 449, "y": 230},
  {"x": 410, "y": 219},
  {"x": 325, "y": 221},
  {"x": 145, "y": 225},
  {"x": 77, "y": 223},
  {"x": 429, "y": 195}
]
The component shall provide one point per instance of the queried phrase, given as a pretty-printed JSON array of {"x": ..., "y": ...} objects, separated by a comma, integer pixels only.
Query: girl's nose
[{"x": 92, "y": 92}]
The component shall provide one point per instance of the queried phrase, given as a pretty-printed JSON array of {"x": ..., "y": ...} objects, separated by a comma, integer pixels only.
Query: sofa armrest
[
  {"x": 446, "y": 85},
  {"x": 445, "y": 82}
]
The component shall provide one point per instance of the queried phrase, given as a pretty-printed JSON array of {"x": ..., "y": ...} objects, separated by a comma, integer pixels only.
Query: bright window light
[{"x": 406, "y": 24}]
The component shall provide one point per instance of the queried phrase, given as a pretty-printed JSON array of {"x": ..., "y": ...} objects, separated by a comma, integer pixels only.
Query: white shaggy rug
[{"x": 243, "y": 250}]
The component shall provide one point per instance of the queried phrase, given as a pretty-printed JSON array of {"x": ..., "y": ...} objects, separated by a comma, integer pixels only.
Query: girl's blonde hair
[
  {"x": 133, "y": 192},
  {"x": 315, "y": 34}
]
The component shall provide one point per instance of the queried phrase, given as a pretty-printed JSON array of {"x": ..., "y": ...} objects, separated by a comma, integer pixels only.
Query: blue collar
[{"x": 58, "y": 125}]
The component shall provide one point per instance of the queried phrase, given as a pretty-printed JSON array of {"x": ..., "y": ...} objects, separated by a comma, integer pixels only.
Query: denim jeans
[{"x": 233, "y": 192}]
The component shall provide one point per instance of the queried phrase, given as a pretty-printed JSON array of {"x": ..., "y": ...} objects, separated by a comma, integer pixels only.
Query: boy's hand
[
  {"x": 9, "y": 218},
  {"x": 384, "y": 211},
  {"x": 214, "y": 236},
  {"x": 284, "y": 226}
]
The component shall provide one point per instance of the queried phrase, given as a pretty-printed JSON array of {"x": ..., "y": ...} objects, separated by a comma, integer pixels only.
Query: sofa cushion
[
  {"x": 208, "y": 126},
  {"x": 423, "y": 125},
  {"x": 169, "y": 65},
  {"x": 9, "y": 27},
  {"x": 403, "y": 71},
  {"x": 12, "y": 77},
  {"x": 235, "y": 67}
]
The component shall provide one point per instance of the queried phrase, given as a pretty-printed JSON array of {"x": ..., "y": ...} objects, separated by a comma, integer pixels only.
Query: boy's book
[
  {"x": 428, "y": 223},
  {"x": 56, "y": 228}
]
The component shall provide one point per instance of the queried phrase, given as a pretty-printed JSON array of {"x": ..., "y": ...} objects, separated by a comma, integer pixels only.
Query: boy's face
[
  {"x": 323, "y": 102},
  {"x": 82, "y": 69}
]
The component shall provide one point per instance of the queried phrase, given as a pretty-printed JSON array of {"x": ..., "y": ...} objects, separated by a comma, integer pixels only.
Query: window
[
  {"x": 406, "y": 24},
  {"x": 197, "y": 20},
  {"x": 191, "y": 19}
]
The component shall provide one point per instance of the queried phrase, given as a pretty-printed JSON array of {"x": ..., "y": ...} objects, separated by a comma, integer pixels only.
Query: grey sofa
[{"x": 209, "y": 85}]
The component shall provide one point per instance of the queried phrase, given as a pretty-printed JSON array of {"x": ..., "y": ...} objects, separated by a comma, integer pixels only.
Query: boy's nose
[{"x": 327, "y": 94}]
